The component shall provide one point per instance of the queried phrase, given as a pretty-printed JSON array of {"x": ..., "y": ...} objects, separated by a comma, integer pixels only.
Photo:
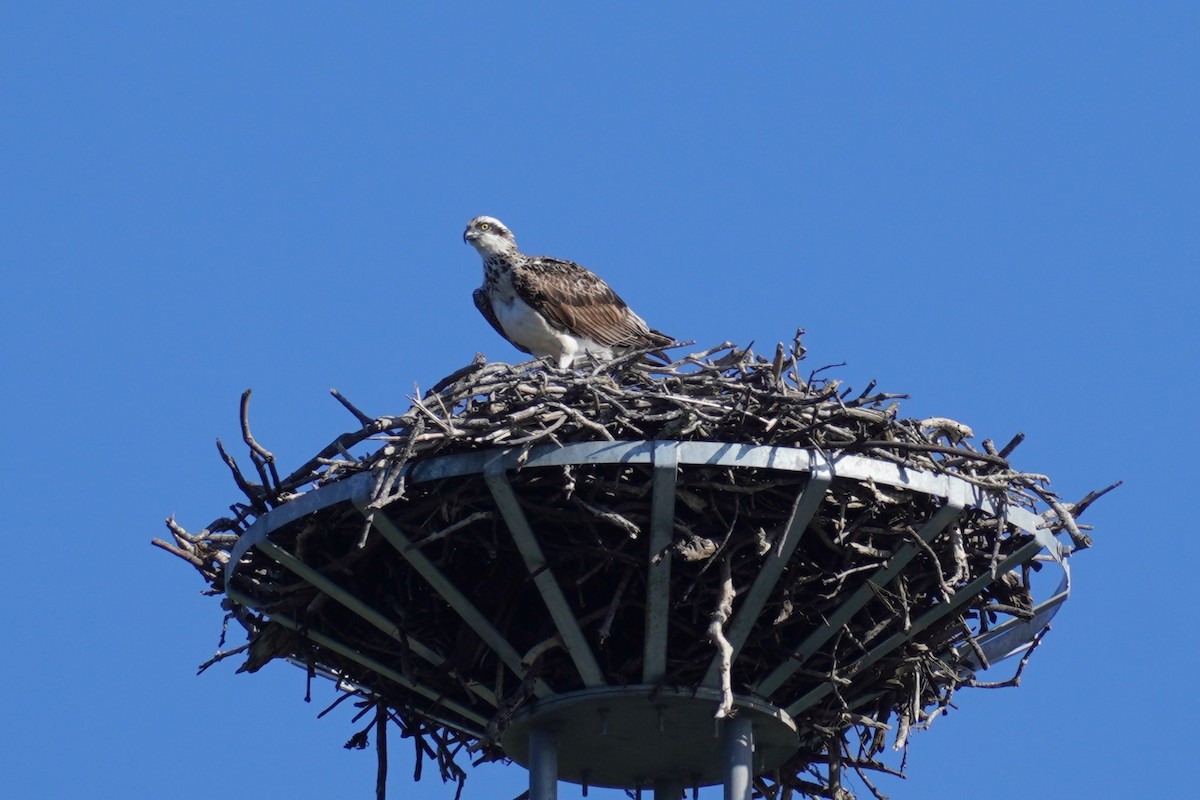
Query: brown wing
[
  {"x": 574, "y": 299},
  {"x": 484, "y": 304}
]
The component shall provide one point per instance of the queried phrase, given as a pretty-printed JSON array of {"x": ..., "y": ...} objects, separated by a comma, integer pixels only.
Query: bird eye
[{"x": 485, "y": 226}]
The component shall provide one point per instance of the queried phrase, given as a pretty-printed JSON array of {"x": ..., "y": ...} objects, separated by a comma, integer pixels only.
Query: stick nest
[{"x": 593, "y": 523}]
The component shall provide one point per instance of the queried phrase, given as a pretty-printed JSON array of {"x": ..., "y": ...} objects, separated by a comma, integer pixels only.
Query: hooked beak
[{"x": 470, "y": 235}]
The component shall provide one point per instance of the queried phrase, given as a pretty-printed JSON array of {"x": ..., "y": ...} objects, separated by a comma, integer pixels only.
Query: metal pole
[
  {"x": 738, "y": 757},
  {"x": 543, "y": 765},
  {"x": 668, "y": 789}
]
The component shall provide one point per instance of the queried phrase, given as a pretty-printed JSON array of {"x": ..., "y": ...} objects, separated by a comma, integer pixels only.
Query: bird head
[{"x": 489, "y": 236}]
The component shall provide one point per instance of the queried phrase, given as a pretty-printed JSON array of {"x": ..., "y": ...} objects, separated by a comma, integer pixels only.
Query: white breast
[
  {"x": 529, "y": 329},
  {"x": 525, "y": 326}
]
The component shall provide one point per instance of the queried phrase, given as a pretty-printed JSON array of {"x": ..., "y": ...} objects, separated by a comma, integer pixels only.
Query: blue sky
[{"x": 991, "y": 207}]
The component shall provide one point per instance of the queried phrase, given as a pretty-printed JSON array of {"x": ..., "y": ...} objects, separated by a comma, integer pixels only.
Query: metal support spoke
[
  {"x": 738, "y": 755},
  {"x": 451, "y": 594},
  {"x": 944, "y": 517},
  {"x": 933, "y": 615},
  {"x": 315, "y": 578},
  {"x": 354, "y": 655},
  {"x": 808, "y": 502},
  {"x": 556, "y": 603},
  {"x": 658, "y": 579}
]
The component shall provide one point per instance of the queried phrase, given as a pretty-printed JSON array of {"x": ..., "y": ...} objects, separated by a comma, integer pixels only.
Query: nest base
[
  {"x": 631, "y": 737},
  {"x": 525, "y": 547}
]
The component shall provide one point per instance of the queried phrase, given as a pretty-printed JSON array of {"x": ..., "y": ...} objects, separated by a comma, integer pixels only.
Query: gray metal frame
[{"x": 664, "y": 457}]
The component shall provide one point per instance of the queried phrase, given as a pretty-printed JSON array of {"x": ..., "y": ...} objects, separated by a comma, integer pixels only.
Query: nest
[{"x": 593, "y": 520}]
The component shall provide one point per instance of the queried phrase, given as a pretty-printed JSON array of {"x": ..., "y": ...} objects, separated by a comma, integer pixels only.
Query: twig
[
  {"x": 1006, "y": 451},
  {"x": 253, "y": 492},
  {"x": 716, "y": 635},
  {"x": 362, "y": 418},
  {"x": 1065, "y": 519},
  {"x": 611, "y": 614},
  {"x": 1015, "y": 680},
  {"x": 257, "y": 449},
  {"x": 221, "y": 656},
  {"x": 381, "y": 755},
  {"x": 478, "y": 516}
]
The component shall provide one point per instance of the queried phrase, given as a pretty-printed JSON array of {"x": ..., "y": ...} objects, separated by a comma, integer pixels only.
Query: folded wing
[{"x": 574, "y": 299}]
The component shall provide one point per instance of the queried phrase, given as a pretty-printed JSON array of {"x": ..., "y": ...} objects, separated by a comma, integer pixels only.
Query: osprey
[{"x": 548, "y": 307}]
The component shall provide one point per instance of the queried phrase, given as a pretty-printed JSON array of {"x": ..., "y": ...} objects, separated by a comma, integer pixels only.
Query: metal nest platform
[{"x": 661, "y": 612}]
